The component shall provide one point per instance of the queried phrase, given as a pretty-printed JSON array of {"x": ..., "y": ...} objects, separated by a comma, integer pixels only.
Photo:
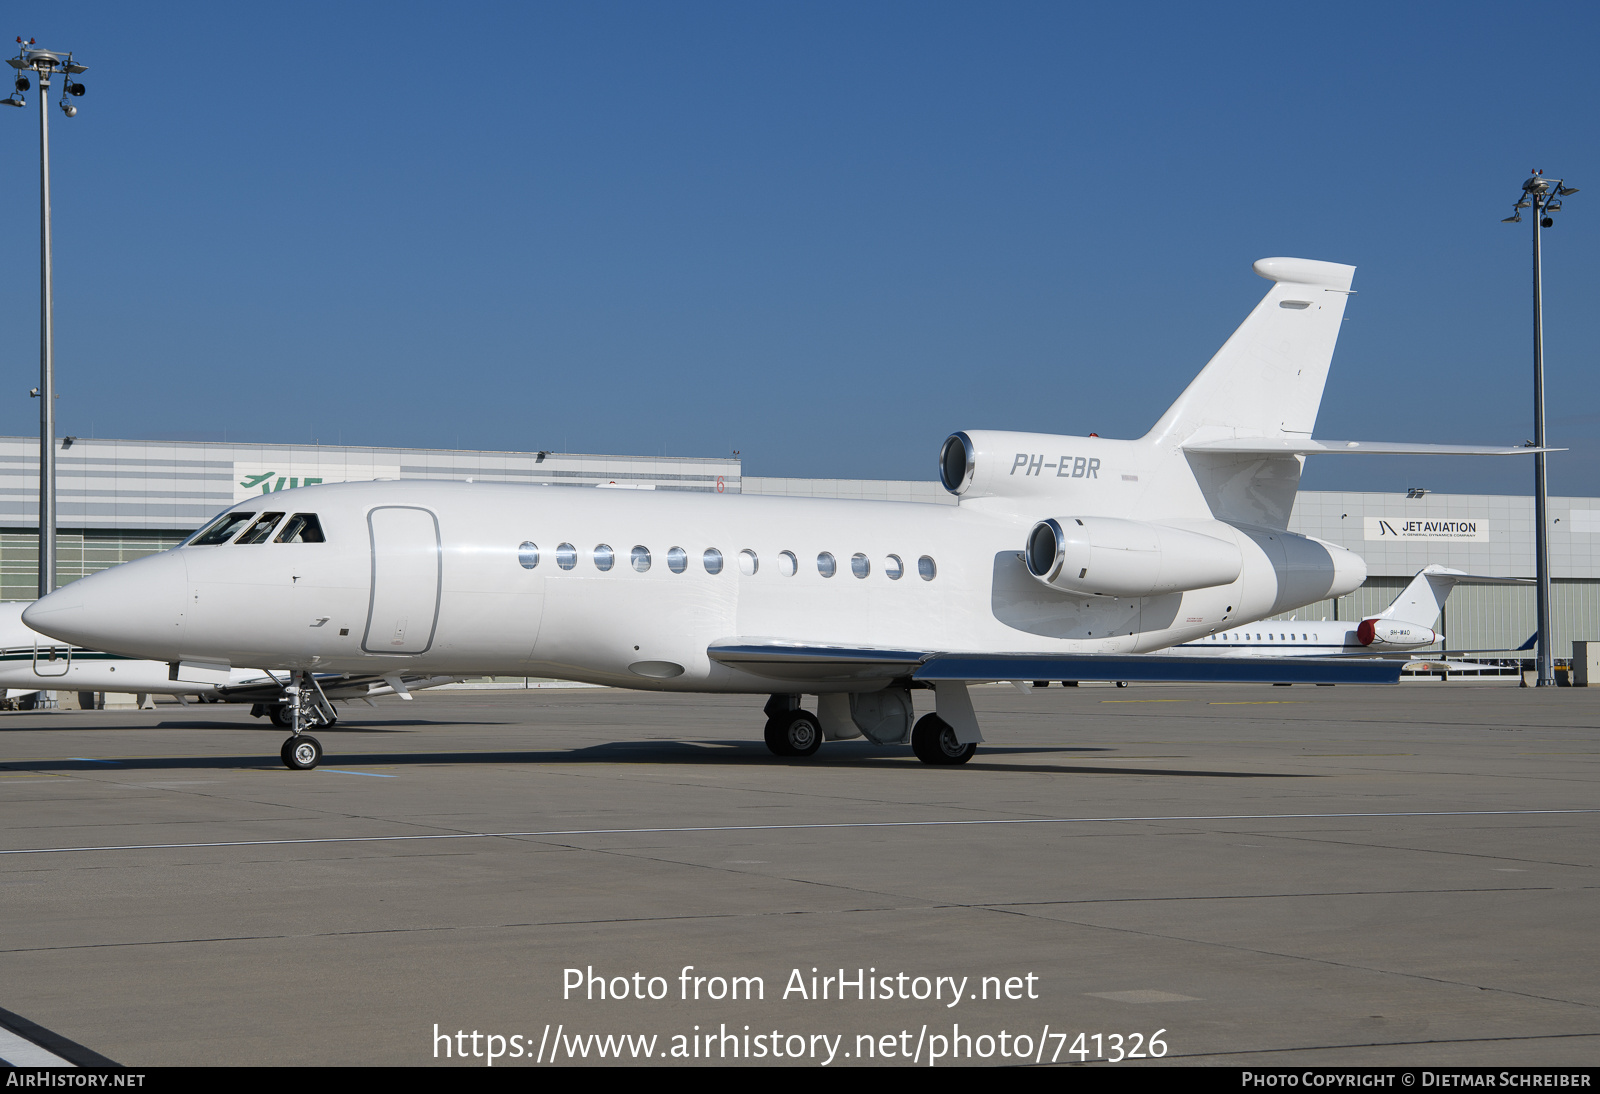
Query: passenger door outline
[{"x": 398, "y": 584}]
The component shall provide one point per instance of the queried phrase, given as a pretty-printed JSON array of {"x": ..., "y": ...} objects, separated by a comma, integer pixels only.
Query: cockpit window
[
  {"x": 261, "y": 529},
  {"x": 301, "y": 528},
  {"x": 221, "y": 530}
]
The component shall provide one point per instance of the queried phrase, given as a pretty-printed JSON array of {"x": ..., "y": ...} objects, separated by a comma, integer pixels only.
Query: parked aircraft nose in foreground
[
  {"x": 1066, "y": 558},
  {"x": 127, "y": 610}
]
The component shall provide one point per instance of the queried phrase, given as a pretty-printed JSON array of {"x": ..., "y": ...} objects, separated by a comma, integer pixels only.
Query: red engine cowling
[{"x": 1395, "y": 633}]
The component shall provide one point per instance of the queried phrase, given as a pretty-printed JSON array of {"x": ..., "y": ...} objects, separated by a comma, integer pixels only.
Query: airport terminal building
[{"x": 119, "y": 500}]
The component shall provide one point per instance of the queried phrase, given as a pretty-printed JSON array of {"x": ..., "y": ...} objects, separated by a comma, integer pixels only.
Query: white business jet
[
  {"x": 1066, "y": 559},
  {"x": 31, "y": 663},
  {"x": 1407, "y": 624}
]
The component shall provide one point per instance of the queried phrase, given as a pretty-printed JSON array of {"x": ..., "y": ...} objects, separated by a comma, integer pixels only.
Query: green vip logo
[{"x": 250, "y": 482}]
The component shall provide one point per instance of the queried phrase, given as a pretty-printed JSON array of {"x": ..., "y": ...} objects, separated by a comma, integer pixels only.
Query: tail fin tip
[{"x": 1306, "y": 271}]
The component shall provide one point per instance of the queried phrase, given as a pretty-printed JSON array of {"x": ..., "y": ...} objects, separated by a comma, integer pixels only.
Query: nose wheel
[
  {"x": 301, "y": 753},
  {"x": 305, "y": 706}
]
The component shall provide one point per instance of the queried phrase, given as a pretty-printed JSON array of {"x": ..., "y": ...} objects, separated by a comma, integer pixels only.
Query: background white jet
[{"x": 1406, "y": 624}]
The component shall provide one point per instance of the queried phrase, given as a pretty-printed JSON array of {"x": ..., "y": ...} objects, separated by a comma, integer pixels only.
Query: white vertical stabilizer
[
  {"x": 1264, "y": 384},
  {"x": 1267, "y": 379},
  {"x": 1422, "y": 601}
]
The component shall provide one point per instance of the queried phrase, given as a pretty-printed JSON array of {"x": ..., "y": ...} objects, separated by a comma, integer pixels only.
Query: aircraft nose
[{"x": 135, "y": 609}]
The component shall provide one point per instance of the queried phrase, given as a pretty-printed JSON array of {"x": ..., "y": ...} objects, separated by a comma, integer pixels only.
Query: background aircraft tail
[{"x": 1422, "y": 601}]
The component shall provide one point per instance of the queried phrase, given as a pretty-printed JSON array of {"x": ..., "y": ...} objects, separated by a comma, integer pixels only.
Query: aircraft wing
[
  {"x": 1532, "y": 641},
  {"x": 340, "y": 686},
  {"x": 834, "y": 664},
  {"x": 822, "y": 664}
]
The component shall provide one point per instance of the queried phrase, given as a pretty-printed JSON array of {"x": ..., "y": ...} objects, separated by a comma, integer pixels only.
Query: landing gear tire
[
  {"x": 1122, "y": 683},
  {"x": 794, "y": 733},
  {"x": 934, "y": 741},
  {"x": 301, "y": 753},
  {"x": 279, "y": 713}
]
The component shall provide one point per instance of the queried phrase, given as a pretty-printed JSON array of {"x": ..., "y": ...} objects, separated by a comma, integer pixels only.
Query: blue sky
[{"x": 825, "y": 235}]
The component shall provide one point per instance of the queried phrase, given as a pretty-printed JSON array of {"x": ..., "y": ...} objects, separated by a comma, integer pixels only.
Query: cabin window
[
  {"x": 788, "y": 565},
  {"x": 712, "y": 558},
  {"x": 221, "y": 530},
  {"x": 260, "y": 530},
  {"x": 301, "y": 528},
  {"x": 604, "y": 556},
  {"x": 827, "y": 565},
  {"x": 640, "y": 557},
  {"x": 566, "y": 556},
  {"x": 926, "y": 568},
  {"x": 528, "y": 555},
  {"x": 748, "y": 563},
  {"x": 859, "y": 565},
  {"x": 677, "y": 559},
  {"x": 894, "y": 568}
]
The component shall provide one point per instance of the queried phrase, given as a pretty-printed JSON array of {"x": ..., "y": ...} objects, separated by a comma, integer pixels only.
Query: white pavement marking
[
  {"x": 1144, "y": 995},
  {"x": 21, "y": 1052},
  {"x": 799, "y": 827}
]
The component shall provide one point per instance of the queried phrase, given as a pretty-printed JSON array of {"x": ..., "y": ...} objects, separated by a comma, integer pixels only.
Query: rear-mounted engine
[{"x": 1108, "y": 556}]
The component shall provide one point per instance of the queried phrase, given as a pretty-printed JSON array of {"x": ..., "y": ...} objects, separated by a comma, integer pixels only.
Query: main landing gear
[
  {"x": 934, "y": 741},
  {"x": 792, "y": 732},
  {"x": 304, "y": 706}
]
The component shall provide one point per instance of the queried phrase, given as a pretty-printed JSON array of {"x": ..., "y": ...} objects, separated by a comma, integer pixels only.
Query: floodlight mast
[
  {"x": 1544, "y": 197},
  {"x": 44, "y": 64}
]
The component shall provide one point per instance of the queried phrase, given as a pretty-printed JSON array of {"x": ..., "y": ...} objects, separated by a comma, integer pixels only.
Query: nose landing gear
[
  {"x": 305, "y": 706},
  {"x": 301, "y": 753}
]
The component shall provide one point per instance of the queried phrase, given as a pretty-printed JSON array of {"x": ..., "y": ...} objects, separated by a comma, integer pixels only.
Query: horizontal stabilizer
[
  {"x": 1305, "y": 446},
  {"x": 833, "y": 664}
]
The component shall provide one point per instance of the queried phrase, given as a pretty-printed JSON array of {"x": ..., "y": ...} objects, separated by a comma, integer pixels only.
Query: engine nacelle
[
  {"x": 985, "y": 463},
  {"x": 1108, "y": 556},
  {"x": 1392, "y": 632}
]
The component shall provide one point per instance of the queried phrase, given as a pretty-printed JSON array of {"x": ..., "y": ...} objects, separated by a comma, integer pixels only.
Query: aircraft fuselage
[{"x": 631, "y": 587}]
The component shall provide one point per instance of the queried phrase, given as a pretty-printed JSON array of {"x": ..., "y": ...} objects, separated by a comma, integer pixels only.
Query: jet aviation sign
[
  {"x": 1394, "y": 528},
  {"x": 253, "y": 479}
]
